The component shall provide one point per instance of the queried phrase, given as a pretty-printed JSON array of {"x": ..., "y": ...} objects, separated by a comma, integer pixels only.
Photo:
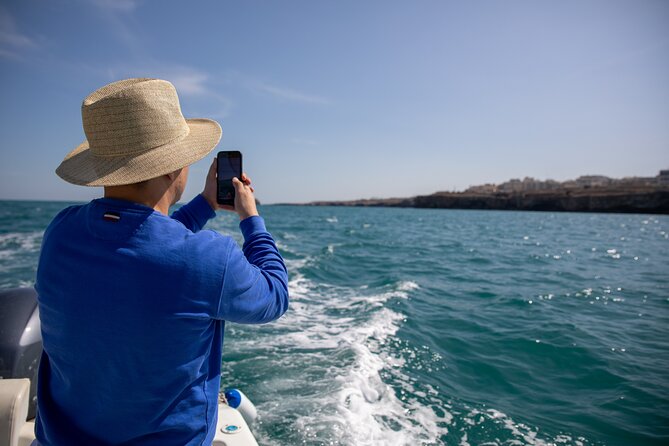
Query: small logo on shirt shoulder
[{"x": 111, "y": 216}]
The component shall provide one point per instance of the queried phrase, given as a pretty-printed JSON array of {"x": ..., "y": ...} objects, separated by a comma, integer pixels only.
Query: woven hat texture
[{"x": 134, "y": 132}]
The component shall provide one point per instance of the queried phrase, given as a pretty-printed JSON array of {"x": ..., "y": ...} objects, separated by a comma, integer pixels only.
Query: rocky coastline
[{"x": 645, "y": 200}]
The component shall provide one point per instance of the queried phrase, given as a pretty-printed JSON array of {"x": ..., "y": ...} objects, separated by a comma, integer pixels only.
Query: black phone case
[{"x": 224, "y": 185}]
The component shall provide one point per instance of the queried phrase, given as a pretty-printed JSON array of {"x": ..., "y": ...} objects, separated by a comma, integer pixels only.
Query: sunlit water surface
[{"x": 440, "y": 327}]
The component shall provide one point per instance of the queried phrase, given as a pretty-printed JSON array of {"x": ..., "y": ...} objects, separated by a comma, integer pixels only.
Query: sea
[{"x": 444, "y": 327}]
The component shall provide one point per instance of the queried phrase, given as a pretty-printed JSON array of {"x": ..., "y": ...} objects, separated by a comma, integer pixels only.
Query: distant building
[
  {"x": 488, "y": 188},
  {"x": 587, "y": 181},
  {"x": 513, "y": 185},
  {"x": 552, "y": 185},
  {"x": 529, "y": 184},
  {"x": 663, "y": 178},
  {"x": 638, "y": 181}
]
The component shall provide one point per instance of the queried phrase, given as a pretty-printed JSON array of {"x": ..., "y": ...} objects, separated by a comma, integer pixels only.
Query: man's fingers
[
  {"x": 212, "y": 168},
  {"x": 246, "y": 181}
]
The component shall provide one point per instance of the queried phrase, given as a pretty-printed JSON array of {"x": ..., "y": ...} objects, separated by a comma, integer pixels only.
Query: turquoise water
[{"x": 445, "y": 327}]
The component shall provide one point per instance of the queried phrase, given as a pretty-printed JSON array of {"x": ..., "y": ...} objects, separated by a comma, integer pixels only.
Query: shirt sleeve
[
  {"x": 255, "y": 282},
  {"x": 194, "y": 214}
]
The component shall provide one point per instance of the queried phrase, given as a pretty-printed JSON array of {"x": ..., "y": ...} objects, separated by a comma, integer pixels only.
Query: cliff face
[
  {"x": 652, "y": 201},
  {"x": 646, "y": 200}
]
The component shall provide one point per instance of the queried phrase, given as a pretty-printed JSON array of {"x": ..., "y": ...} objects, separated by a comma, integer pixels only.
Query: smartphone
[{"x": 229, "y": 166}]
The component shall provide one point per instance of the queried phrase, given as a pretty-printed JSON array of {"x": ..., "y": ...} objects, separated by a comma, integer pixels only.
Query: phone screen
[{"x": 229, "y": 166}]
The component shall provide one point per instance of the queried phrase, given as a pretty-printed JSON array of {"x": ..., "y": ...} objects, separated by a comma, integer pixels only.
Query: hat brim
[{"x": 82, "y": 167}]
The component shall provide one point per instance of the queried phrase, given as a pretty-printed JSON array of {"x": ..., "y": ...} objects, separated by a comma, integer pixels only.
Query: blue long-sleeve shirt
[{"x": 132, "y": 306}]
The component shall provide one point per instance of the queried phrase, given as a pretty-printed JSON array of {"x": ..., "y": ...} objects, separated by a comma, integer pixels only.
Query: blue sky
[{"x": 351, "y": 99}]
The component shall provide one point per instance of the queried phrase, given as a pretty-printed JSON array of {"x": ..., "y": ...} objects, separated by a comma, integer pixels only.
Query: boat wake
[{"x": 334, "y": 371}]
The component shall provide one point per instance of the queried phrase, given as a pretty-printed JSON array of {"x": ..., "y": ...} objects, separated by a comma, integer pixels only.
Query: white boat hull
[{"x": 231, "y": 429}]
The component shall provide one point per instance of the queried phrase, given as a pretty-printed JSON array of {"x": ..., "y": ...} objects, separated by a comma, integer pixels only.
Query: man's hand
[
  {"x": 210, "y": 186},
  {"x": 245, "y": 201}
]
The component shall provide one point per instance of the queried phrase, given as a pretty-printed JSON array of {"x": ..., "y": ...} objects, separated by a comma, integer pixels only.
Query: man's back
[{"x": 132, "y": 304}]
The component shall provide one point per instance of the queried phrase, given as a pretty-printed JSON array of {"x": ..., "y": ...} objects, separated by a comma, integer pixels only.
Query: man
[{"x": 133, "y": 302}]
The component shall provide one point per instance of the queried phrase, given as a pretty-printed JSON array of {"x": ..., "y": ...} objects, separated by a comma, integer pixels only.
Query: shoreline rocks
[{"x": 638, "y": 200}]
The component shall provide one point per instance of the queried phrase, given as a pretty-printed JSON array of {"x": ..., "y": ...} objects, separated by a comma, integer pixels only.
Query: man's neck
[{"x": 159, "y": 202}]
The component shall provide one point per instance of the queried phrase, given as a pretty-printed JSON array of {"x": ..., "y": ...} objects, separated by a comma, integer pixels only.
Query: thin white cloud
[
  {"x": 195, "y": 83},
  {"x": 285, "y": 93},
  {"x": 8, "y": 54},
  {"x": 12, "y": 41},
  {"x": 15, "y": 39},
  {"x": 189, "y": 82},
  {"x": 116, "y": 5}
]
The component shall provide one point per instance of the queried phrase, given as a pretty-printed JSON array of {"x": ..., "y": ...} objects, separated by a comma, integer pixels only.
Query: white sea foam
[
  {"x": 371, "y": 408},
  {"x": 26, "y": 241},
  {"x": 408, "y": 286},
  {"x": 354, "y": 388},
  {"x": 359, "y": 405},
  {"x": 282, "y": 247},
  {"x": 17, "y": 243},
  {"x": 294, "y": 265},
  {"x": 361, "y": 393},
  {"x": 360, "y": 408},
  {"x": 521, "y": 433}
]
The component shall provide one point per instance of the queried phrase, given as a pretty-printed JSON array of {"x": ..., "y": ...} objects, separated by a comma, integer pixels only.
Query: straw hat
[{"x": 135, "y": 131}]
